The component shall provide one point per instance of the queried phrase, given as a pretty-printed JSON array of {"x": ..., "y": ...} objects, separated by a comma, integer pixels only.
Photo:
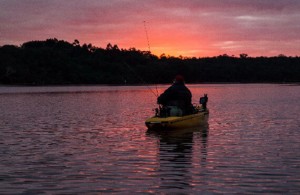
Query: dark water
[{"x": 92, "y": 140}]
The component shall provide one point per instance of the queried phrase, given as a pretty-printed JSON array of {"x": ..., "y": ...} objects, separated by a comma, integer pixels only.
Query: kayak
[
  {"x": 172, "y": 117},
  {"x": 178, "y": 122}
]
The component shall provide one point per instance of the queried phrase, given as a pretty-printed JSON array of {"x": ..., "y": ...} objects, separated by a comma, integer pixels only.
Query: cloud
[{"x": 207, "y": 27}]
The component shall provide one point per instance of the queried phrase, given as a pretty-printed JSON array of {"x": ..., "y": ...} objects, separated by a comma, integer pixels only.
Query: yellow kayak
[{"x": 178, "y": 122}]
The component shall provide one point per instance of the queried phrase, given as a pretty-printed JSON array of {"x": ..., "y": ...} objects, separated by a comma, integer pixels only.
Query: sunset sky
[{"x": 192, "y": 28}]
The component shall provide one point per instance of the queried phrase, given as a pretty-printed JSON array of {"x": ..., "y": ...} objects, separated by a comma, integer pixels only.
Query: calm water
[{"x": 92, "y": 140}]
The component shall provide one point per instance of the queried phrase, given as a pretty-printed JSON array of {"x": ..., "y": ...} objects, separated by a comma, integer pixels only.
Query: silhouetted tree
[
  {"x": 56, "y": 61},
  {"x": 76, "y": 43},
  {"x": 243, "y": 55}
]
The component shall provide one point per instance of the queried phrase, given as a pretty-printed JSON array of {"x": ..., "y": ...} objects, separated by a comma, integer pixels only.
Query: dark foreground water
[{"x": 92, "y": 140}]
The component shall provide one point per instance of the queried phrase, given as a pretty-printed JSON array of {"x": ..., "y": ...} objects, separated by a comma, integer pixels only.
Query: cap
[{"x": 179, "y": 78}]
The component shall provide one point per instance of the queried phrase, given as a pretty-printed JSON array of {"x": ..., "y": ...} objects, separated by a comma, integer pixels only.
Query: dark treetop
[{"x": 57, "y": 62}]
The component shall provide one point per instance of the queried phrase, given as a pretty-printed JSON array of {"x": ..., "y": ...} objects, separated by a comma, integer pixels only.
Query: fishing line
[{"x": 141, "y": 79}]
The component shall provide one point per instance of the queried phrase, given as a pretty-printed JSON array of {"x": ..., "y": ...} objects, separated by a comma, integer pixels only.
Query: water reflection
[
  {"x": 178, "y": 154},
  {"x": 66, "y": 142}
]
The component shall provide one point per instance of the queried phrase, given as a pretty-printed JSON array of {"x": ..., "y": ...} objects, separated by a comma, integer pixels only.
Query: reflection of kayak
[
  {"x": 181, "y": 133},
  {"x": 176, "y": 122}
]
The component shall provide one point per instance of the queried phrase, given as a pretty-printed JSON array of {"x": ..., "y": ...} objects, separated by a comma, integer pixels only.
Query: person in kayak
[{"x": 177, "y": 99}]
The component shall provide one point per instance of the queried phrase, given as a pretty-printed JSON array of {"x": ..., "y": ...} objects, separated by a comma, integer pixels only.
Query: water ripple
[{"x": 96, "y": 142}]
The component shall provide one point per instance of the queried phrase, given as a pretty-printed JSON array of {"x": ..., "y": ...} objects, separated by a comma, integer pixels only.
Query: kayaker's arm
[{"x": 165, "y": 96}]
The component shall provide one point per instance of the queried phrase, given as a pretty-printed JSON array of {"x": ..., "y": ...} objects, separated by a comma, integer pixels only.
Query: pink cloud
[{"x": 192, "y": 27}]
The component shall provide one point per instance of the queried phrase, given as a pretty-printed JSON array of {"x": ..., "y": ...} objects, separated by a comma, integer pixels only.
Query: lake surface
[{"x": 92, "y": 140}]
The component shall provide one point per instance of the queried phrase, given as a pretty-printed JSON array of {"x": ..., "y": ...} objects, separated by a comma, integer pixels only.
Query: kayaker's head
[{"x": 179, "y": 79}]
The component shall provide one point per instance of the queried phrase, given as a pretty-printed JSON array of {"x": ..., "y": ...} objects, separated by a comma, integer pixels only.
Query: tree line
[{"x": 58, "y": 62}]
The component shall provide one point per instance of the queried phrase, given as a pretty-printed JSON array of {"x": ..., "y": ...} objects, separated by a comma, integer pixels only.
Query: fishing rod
[
  {"x": 137, "y": 75},
  {"x": 147, "y": 37}
]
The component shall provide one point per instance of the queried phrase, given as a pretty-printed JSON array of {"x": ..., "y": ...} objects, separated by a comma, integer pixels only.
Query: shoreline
[{"x": 150, "y": 84}]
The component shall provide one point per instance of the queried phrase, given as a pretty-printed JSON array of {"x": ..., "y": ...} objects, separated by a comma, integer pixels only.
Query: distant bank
[{"x": 57, "y": 62}]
